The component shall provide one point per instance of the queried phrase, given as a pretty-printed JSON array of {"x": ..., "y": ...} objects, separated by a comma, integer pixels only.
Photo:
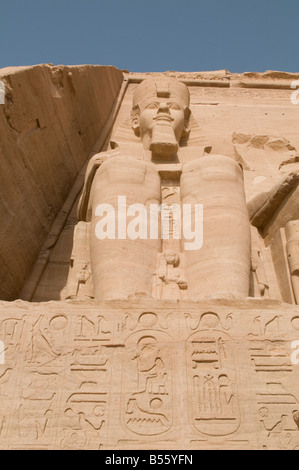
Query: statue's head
[{"x": 160, "y": 114}]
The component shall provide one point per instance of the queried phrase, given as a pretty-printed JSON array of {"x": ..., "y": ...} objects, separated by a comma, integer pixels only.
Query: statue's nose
[{"x": 163, "y": 108}]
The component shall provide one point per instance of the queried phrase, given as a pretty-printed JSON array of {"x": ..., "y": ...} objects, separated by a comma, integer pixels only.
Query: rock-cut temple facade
[{"x": 149, "y": 259}]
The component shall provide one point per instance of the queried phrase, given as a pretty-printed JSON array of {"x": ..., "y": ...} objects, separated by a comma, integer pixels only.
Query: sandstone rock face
[
  {"x": 162, "y": 308},
  {"x": 50, "y": 121}
]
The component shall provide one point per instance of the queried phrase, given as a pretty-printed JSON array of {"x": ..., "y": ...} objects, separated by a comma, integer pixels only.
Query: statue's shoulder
[
  {"x": 94, "y": 164},
  {"x": 99, "y": 158}
]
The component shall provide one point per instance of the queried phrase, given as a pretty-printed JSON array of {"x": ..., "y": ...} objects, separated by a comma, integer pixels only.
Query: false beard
[{"x": 163, "y": 143}]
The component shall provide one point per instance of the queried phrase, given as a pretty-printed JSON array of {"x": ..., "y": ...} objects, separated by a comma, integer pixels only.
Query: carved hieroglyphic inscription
[
  {"x": 147, "y": 383},
  {"x": 58, "y": 397},
  {"x": 276, "y": 395},
  {"x": 108, "y": 378},
  {"x": 215, "y": 407}
]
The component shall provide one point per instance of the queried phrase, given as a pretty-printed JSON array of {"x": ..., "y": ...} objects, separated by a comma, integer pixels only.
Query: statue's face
[
  {"x": 160, "y": 123},
  {"x": 162, "y": 112},
  {"x": 160, "y": 115}
]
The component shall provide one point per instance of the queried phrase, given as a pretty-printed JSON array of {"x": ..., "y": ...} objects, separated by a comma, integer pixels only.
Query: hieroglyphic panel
[
  {"x": 45, "y": 348},
  {"x": 61, "y": 381},
  {"x": 146, "y": 377},
  {"x": 194, "y": 377},
  {"x": 147, "y": 381},
  {"x": 12, "y": 328},
  {"x": 216, "y": 382},
  {"x": 240, "y": 94},
  {"x": 84, "y": 417},
  {"x": 215, "y": 405},
  {"x": 275, "y": 380}
]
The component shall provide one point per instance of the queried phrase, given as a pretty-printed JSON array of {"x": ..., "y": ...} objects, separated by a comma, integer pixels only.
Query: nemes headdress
[{"x": 161, "y": 87}]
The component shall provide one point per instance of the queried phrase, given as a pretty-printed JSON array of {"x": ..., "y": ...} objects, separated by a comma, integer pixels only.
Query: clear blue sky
[{"x": 152, "y": 35}]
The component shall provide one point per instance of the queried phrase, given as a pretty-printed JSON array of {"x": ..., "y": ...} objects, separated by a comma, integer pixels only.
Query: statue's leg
[
  {"x": 221, "y": 268},
  {"x": 124, "y": 268}
]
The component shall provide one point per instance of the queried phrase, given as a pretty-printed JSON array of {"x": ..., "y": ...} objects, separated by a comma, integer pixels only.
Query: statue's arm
[
  {"x": 94, "y": 164},
  {"x": 262, "y": 207}
]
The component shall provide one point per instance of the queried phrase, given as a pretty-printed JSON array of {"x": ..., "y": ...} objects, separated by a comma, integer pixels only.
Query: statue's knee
[
  {"x": 208, "y": 169},
  {"x": 211, "y": 161}
]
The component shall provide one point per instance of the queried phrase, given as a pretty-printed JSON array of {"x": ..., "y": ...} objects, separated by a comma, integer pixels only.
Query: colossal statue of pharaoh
[{"x": 126, "y": 182}]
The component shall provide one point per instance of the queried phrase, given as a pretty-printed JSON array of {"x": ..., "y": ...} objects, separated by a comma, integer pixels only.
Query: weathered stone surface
[
  {"x": 149, "y": 374},
  {"x": 50, "y": 121},
  {"x": 144, "y": 343}
]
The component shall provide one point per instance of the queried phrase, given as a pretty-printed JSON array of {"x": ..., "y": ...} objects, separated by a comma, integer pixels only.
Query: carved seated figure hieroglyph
[{"x": 125, "y": 267}]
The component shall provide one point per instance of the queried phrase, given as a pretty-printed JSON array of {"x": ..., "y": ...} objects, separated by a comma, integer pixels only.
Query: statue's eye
[
  {"x": 174, "y": 106},
  {"x": 152, "y": 106}
]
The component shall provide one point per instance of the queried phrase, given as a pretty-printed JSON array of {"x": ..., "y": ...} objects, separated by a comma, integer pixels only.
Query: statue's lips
[{"x": 163, "y": 118}]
